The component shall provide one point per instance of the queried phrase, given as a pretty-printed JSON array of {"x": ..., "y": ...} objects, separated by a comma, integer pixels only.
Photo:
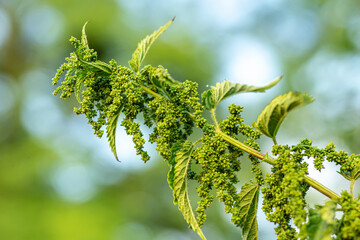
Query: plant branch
[
  {"x": 214, "y": 118},
  {"x": 266, "y": 158},
  {"x": 243, "y": 146},
  {"x": 152, "y": 93},
  {"x": 352, "y": 182}
]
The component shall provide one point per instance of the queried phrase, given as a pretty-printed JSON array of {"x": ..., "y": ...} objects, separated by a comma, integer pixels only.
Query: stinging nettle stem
[
  {"x": 152, "y": 93},
  {"x": 313, "y": 183},
  {"x": 352, "y": 182},
  {"x": 214, "y": 118}
]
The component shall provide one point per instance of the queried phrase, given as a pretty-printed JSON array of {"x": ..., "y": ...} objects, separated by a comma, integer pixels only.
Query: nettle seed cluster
[
  {"x": 110, "y": 89},
  {"x": 220, "y": 162},
  {"x": 172, "y": 110},
  {"x": 285, "y": 189},
  {"x": 171, "y": 113}
]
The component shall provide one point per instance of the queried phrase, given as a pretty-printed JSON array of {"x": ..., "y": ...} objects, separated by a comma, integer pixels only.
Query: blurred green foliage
[{"x": 57, "y": 181}]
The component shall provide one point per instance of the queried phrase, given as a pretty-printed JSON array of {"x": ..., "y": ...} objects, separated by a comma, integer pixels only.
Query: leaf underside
[
  {"x": 181, "y": 195},
  {"x": 249, "y": 197},
  {"x": 212, "y": 97},
  {"x": 144, "y": 46},
  {"x": 270, "y": 119}
]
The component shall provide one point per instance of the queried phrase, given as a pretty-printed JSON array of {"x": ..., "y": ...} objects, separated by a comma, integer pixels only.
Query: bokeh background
[{"x": 58, "y": 181}]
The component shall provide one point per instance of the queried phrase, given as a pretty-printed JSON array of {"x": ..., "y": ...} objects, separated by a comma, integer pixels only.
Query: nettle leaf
[
  {"x": 171, "y": 175},
  {"x": 249, "y": 198},
  {"x": 83, "y": 36},
  {"x": 181, "y": 195},
  {"x": 144, "y": 46},
  {"x": 97, "y": 65},
  {"x": 212, "y": 97},
  {"x": 321, "y": 222},
  {"x": 111, "y": 131},
  {"x": 270, "y": 119},
  {"x": 161, "y": 78},
  {"x": 355, "y": 173},
  {"x": 77, "y": 87}
]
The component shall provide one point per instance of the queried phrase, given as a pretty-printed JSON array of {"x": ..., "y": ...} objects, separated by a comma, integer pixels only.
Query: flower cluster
[
  {"x": 284, "y": 191},
  {"x": 220, "y": 163},
  {"x": 350, "y": 222},
  {"x": 347, "y": 163},
  {"x": 172, "y": 109},
  {"x": 97, "y": 84},
  {"x": 109, "y": 89}
]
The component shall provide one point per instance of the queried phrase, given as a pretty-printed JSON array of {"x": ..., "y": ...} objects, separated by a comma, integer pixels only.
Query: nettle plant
[{"x": 172, "y": 109}]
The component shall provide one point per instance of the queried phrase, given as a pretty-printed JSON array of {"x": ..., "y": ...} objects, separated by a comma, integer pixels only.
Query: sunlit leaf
[
  {"x": 270, "y": 119},
  {"x": 111, "y": 131},
  {"x": 249, "y": 197},
  {"x": 97, "y": 65},
  {"x": 161, "y": 78},
  {"x": 321, "y": 222},
  {"x": 83, "y": 36},
  {"x": 212, "y": 97},
  {"x": 181, "y": 195},
  {"x": 144, "y": 46}
]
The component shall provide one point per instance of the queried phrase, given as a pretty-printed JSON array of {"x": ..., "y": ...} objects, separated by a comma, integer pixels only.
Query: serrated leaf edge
[
  {"x": 111, "y": 131},
  {"x": 83, "y": 36},
  {"x": 213, "y": 96},
  {"x": 143, "y": 47},
  {"x": 181, "y": 195},
  {"x": 269, "y": 109},
  {"x": 249, "y": 192}
]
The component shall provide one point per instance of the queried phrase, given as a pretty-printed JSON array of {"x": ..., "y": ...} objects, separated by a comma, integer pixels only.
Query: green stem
[
  {"x": 243, "y": 146},
  {"x": 321, "y": 188},
  {"x": 214, "y": 118},
  {"x": 156, "y": 95},
  {"x": 352, "y": 182},
  {"x": 152, "y": 93},
  {"x": 266, "y": 158},
  {"x": 195, "y": 143}
]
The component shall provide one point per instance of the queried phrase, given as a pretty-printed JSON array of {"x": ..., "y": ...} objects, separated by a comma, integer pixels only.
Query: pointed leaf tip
[
  {"x": 270, "y": 119},
  {"x": 111, "y": 131},
  {"x": 83, "y": 36},
  {"x": 212, "y": 97},
  {"x": 144, "y": 46},
  {"x": 181, "y": 196}
]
